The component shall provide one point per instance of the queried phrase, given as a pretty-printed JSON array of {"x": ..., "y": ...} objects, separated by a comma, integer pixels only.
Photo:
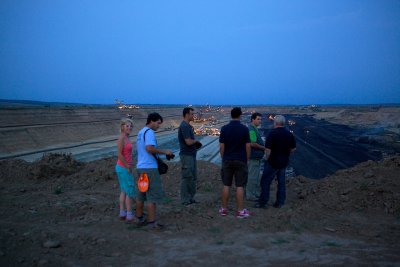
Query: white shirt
[{"x": 146, "y": 160}]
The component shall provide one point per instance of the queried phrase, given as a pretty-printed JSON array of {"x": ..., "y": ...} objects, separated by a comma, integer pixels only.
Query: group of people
[
  {"x": 147, "y": 153},
  {"x": 242, "y": 150}
]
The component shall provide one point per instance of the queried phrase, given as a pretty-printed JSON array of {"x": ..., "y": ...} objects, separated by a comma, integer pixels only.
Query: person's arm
[
  {"x": 151, "y": 149},
  {"x": 268, "y": 145},
  {"x": 248, "y": 151},
  {"x": 293, "y": 145},
  {"x": 150, "y": 145},
  {"x": 190, "y": 141},
  {"x": 120, "y": 146},
  {"x": 186, "y": 133},
  {"x": 221, "y": 149},
  {"x": 267, "y": 153},
  {"x": 253, "y": 140},
  {"x": 257, "y": 146}
]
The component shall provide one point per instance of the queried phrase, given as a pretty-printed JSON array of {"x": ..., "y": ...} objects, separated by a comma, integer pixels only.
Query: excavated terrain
[{"x": 60, "y": 211}]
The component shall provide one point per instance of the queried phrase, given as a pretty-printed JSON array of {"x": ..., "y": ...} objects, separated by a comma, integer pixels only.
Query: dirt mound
[
  {"x": 370, "y": 186},
  {"x": 11, "y": 170},
  {"x": 55, "y": 165},
  {"x": 58, "y": 211},
  {"x": 363, "y": 201}
]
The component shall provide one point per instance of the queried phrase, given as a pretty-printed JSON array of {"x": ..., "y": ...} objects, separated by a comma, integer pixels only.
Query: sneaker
[
  {"x": 130, "y": 217},
  {"x": 135, "y": 220},
  {"x": 278, "y": 206},
  {"x": 223, "y": 212},
  {"x": 244, "y": 213},
  {"x": 260, "y": 206},
  {"x": 194, "y": 202},
  {"x": 154, "y": 226},
  {"x": 140, "y": 221},
  {"x": 122, "y": 215}
]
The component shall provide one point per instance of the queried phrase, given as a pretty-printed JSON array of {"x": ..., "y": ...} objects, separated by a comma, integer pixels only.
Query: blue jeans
[{"x": 268, "y": 176}]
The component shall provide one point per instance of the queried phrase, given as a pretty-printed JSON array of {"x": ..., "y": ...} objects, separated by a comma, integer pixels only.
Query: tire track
[
  {"x": 7, "y": 127},
  {"x": 22, "y": 154},
  {"x": 89, "y": 154}
]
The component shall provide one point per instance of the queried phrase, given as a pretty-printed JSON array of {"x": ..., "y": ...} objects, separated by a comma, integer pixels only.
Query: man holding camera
[
  {"x": 146, "y": 145},
  {"x": 188, "y": 150}
]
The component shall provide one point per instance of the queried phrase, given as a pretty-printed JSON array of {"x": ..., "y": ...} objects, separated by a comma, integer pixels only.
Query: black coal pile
[{"x": 324, "y": 147}]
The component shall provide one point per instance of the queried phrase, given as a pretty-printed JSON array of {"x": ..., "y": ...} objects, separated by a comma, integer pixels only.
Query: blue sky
[{"x": 197, "y": 52}]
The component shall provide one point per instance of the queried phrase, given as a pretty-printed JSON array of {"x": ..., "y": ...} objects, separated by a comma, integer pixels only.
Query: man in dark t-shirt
[
  {"x": 187, "y": 155},
  {"x": 235, "y": 152},
  {"x": 280, "y": 143}
]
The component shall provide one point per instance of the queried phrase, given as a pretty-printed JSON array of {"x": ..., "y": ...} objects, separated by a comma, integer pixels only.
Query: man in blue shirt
[
  {"x": 235, "y": 152},
  {"x": 146, "y": 152}
]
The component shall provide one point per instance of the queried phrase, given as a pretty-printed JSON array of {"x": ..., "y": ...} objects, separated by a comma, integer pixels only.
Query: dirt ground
[{"x": 60, "y": 212}]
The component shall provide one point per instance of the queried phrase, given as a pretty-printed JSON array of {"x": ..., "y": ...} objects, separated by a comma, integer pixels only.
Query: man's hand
[
  {"x": 248, "y": 151},
  {"x": 267, "y": 153},
  {"x": 168, "y": 152},
  {"x": 221, "y": 149}
]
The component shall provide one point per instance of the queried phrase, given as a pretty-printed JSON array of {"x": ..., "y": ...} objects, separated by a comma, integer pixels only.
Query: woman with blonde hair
[{"x": 124, "y": 171}]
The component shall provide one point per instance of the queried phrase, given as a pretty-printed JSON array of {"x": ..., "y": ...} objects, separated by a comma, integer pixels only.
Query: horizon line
[{"x": 38, "y": 102}]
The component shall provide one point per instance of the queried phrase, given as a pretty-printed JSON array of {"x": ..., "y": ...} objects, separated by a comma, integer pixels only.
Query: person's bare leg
[
  {"x": 139, "y": 208},
  {"x": 122, "y": 197},
  {"x": 225, "y": 196},
  {"x": 151, "y": 209},
  {"x": 128, "y": 203},
  {"x": 239, "y": 198}
]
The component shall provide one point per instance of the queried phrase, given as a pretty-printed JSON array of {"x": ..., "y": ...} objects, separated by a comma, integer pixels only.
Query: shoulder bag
[{"x": 161, "y": 165}]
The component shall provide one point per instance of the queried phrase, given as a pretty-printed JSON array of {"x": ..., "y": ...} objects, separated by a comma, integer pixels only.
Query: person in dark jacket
[{"x": 279, "y": 145}]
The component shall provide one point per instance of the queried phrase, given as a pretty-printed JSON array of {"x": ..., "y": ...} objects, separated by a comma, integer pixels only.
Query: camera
[
  {"x": 169, "y": 157},
  {"x": 198, "y": 145}
]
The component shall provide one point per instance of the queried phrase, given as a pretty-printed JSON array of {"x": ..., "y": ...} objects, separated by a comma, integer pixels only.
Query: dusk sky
[{"x": 198, "y": 52}]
